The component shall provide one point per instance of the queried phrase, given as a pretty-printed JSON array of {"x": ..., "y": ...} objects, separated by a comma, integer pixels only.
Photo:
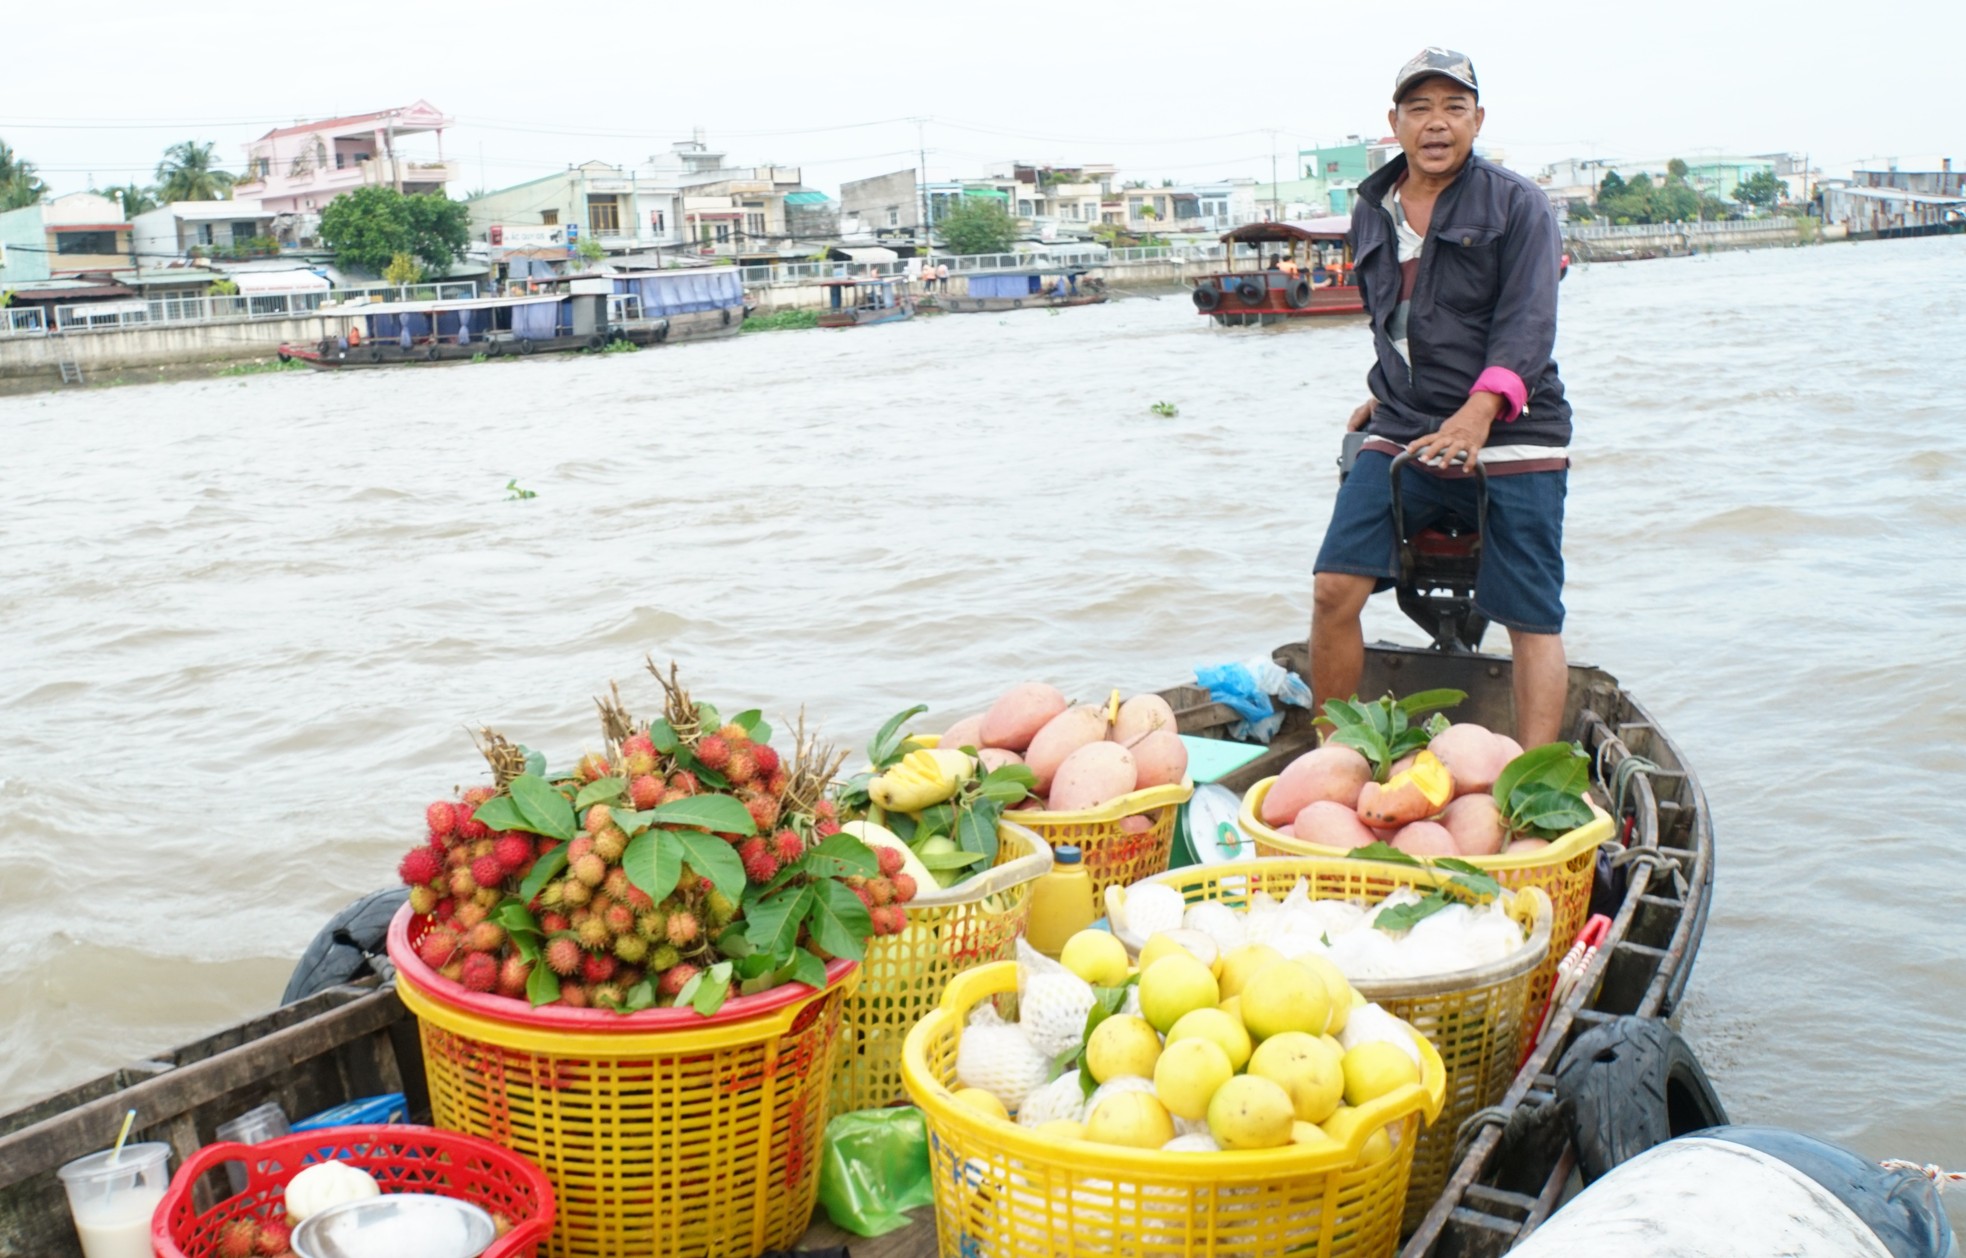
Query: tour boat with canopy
[{"x": 1280, "y": 284}]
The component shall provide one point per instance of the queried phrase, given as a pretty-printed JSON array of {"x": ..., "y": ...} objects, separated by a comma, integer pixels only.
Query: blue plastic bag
[{"x": 1247, "y": 689}]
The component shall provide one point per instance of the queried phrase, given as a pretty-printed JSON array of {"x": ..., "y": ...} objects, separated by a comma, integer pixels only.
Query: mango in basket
[{"x": 1412, "y": 795}]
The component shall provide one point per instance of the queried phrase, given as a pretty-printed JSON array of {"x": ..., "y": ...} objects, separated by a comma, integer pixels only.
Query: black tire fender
[
  {"x": 1298, "y": 295},
  {"x": 662, "y": 332},
  {"x": 433, "y": 353},
  {"x": 348, "y": 947},
  {"x": 1251, "y": 292},
  {"x": 1207, "y": 296},
  {"x": 726, "y": 314},
  {"x": 596, "y": 341},
  {"x": 375, "y": 353},
  {"x": 526, "y": 345},
  {"x": 1628, "y": 1085},
  {"x": 285, "y": 357},
  {"x": 494, "y": 348}
]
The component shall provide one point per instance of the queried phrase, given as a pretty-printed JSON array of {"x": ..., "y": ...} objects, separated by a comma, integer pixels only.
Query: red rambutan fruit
[
  {"x": 596, "y": 818},
  {"x": 866, "y": 896},
  {"x": 637, "y": 745},
  {"x": 563, "y": 955},
  {"x": 787, "y": 846},
  {"x": 573, "y": 995},
  {"x": 619, "y": 918},
  {"x": 608, "y": 995},
  {"x": 441, "y": 817},
  {"x": 881, "y": 889},
  {"x": 826, "y": 829},
  {"x": 742, "y": 769},
  {"x": 553, "y": 923},
  {"x": 826, "y": 810},
  {"x": 486, "y": 871},
  {"x": 436, "y": 948},
  {"x": 485, "y": 937},
  {"x": 468, "y": 826},
  {"x": 444, "y": 909},
  {"x": 596, "y": 967},
  {"x": 512, "y": 975},
  {"x": 683, "y": 929},
  {"x": 574, "y": 893},
  {"x": 686, "y": 782},
  {"x": 418, "y": 867},
  {"x": 462, "y": 885},
  {"x": 511, "y": 852},
  {"x": 636, "y": 898},
  {"x": 759, "y": 865},
  {"x": 904, "y": 887},
  {"x": 238, "y": 1238},
  {"x": 422, "y": 900},
  {"x": 590, "y": 869},
  {"x": 889, "y": 919},
  {"x": 273, "y": 1238},
  {"x": 646, "y": 791},
  {"x": 579, "y": 848},
  {"x": 609, "y": 844},
  {"x": 617, "y": 884},
  {"x": 889, "y": 859},
  {"x": 713, "y": 750},
  {"x": 765, "y": 758},
  {"x": 763, "y": 809},
  {"x": 473, "y": 796},
  {"x": 592, "y": 767},
  {"x": 471, "y": 913},
  {"x": 593, "y": 934},
  {"x": 734, "y": 734},
  {"x": 480, "y": 972},
  {"x": 631, "y": 948},
  {"x": 776, "y": 783},
  {"x": 674, "y": 977}
]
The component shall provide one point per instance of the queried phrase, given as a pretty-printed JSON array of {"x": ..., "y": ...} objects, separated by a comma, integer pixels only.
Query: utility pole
[
  {"x": 921, "y": 177},
  {"x": 1276, "y": 193}
]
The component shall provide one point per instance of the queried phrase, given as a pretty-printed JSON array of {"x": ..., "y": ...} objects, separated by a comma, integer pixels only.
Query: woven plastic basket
[
  {"x": 401, "y": 1158},
  {"x": 903, "y": 976},
  {"x": 1121, "y": 841},
  {"x": 1004, "y": 1191},
  {"x": 660, "y": 1131},
  {"x": 1563, "y": 870},
  {"x": 1476, "y": 1018}
]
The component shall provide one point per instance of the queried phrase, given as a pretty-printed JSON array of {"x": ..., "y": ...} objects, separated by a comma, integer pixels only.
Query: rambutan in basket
[
  {"x": 401, "y": 1158},
  {"x": 1563, "y": 870},
  {"x": 904, "y": 975},
  {"x": 661, "y": 1131}
]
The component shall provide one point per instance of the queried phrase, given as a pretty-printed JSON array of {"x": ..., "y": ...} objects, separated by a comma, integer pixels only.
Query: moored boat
[
  {"x": 853, "y": 302},
  {"x": 1026, "y": 290},
  {"x": 1282, "y": 284},
  {"x": 357, "y": 1039}
]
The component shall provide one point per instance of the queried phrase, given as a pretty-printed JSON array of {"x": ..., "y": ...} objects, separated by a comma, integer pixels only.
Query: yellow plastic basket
[
  {"x": 701, "y": 1141},
  {"x": 1476, "y": 1018},
  {"x": 1563, "y": 870},
  {"x": 903, "y": 976},
  {"x": 1114, "y": 853},
  {"x": 1003, "y": 1191}
]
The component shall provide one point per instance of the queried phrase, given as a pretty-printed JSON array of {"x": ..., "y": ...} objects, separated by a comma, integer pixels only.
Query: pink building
[{"x": 299, "y": 169}]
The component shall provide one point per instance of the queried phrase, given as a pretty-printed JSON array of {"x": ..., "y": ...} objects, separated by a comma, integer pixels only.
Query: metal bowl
[{"x": 394, "y": 1225}]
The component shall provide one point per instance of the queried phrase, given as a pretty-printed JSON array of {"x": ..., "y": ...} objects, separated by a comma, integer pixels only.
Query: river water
[{"x": 246, "y": 624}]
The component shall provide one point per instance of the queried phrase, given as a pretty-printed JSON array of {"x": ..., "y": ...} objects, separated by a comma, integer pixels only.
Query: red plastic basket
[{"x": 402, "y": 1158}]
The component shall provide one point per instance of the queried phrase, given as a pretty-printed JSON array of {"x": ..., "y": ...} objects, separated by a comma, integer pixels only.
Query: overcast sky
[{"x": 1185, "y": 91}]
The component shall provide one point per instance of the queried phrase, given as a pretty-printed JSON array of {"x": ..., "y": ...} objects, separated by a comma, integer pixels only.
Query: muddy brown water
[{"x": 245, "y": 624}]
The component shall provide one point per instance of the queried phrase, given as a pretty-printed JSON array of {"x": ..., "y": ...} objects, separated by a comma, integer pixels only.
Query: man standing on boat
[{"x": 1456, "y": 260}]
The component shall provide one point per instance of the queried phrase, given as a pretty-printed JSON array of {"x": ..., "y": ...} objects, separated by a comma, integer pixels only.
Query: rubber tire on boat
[
  {"x": 525, "y": 345},
  {"x": 1298, "y": 295},
  {"x": 661, "y": 332},
  {"x": 596, "y": 341},
  {"x": 348, "y": 947},
  {"x": 1251, "y": 292},
  {"x": 493, "y": 349},
  {"x": 726, "y": 318},
  {"x": 433, "y": 353},
  {"x": 1207, "y": 297},
  {"x": 1628, "y": 1085},
  {"x": 285, "y": 357},
  {"x": 375, "y": 353}
]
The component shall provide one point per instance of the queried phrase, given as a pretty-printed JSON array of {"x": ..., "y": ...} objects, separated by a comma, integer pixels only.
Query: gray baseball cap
[{"x": 1429, "y": 62}]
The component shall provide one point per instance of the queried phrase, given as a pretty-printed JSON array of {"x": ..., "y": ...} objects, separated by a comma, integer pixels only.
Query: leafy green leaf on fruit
[
  {"x": 641, "y": 996},
  {"x": 500, "y": 812},
  {"x": 535, "y": 761},
  {"x": 1380, "y": 850},
  {"x": 905, "y": 828},
  {"x": 886, "y": 747},
  {"x": 1560, "y": 766},
  {"x": 712, "y": 857},
  {"x": 663, "y": 736},
  {"x": 653, "y": 861},
  {"x": 512, "y": 915},
  {"x": 976, "y": 828},
  {"x": 808, "y": 969},
  {"x": 714, "y": 990},
  {"x": 542, "y": 810},
  {"x": 838, "y": 920},
  {"x": 772, "y": 924},
  {"x": 630, "y": 822},
  {"x": 1403, "y": 916},
  {"x": 719, "y": 813},
  {"x": 937, "y": 819},
  {"x": 841, "y": 856},
  {"x": 1428, "y": 700},
  {"x": 543, "y": 871},
  {"x": 938, "y": 861},
  {"x": 542, "y": 986},
  {"x": 599, "y": 791},
  {"x": 706, "y": 716}
]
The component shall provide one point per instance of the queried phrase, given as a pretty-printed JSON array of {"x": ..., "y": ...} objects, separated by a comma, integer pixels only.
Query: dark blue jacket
[{"x": 1485, "y": 296}]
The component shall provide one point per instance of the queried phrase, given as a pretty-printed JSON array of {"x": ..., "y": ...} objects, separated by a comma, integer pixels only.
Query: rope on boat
[
  {"x": 1936, "y": 1174},
  {"x": 1489, "y": 1116},
  {"x": 1656, "y": 861}
]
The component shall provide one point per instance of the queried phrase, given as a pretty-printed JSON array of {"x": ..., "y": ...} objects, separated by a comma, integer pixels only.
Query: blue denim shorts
[{"x": 1521, "y": 581}]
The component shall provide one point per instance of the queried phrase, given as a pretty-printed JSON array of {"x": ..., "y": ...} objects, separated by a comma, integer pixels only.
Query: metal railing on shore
[
  {"x": 1723, "y": 227},
  {"x": 987, "y": 263},
  {"x": 189, "y": 311},
  {"x": 23, "y": 321}
]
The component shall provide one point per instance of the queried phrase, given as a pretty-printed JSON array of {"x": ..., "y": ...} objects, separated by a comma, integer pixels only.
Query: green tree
[
  {"x": 590, "y": 250},
  {"x": 1610, "y": 186},
  {"x": 977, "y": 225},
  {"x": 402, "y": 271},
  {"x": 136, "y": 198},
  {"x": 189, "y": 173},
  {"x": 222, "y": 288},
  {"x": 1761, "y": 189},
  {"x": 1676, "y": 169},
  {"x": 19, "y": 185},
  {"x": 368, "y": 227}
]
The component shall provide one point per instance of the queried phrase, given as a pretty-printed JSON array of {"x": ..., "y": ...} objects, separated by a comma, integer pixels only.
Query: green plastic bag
[{"x": 874, "y": 1169}]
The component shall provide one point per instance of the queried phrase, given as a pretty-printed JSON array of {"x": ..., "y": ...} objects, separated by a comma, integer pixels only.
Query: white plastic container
[{"x": 112, "y": 1201}]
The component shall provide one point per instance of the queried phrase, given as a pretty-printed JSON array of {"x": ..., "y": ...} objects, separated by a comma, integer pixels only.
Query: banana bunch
[{"x": 922, "y": 778}]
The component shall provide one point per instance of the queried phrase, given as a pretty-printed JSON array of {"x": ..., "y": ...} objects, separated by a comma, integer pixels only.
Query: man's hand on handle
[
  {"x": 1463, "y": 435},
  {"x": 1362, "y": 416}
]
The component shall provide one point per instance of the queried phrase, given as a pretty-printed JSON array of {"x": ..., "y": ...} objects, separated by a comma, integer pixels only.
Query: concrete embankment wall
[
  {"x": 1610, "y": 244},
  {"x": 1152, "y": 273},
  {"x": 113, "y": 349}
]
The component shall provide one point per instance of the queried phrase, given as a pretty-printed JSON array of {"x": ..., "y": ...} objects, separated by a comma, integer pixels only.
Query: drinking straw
[{"x": 117, "y": 1152}]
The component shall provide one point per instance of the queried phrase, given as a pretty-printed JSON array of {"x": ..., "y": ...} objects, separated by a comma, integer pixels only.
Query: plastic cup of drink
[
  {"x": 264, "y": 1122},
  {"x": 112, "y": 1201}
]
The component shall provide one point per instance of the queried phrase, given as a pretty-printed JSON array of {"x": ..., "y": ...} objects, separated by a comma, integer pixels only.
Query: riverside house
[{"x": 293, "y": 172}]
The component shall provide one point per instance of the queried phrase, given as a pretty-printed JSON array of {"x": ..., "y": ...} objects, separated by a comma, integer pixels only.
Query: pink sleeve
[{"x": 1505, "y": 384}]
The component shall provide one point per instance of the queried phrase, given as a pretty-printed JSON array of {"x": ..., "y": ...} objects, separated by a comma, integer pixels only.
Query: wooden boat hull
[
  {"x": 695, "y": 326},
  {"x": 359, "y": 1040},
  {"x": 996, "y": 305},
  {"x": 1260, "y": 298},
  {"x": 863, "y": 318}
]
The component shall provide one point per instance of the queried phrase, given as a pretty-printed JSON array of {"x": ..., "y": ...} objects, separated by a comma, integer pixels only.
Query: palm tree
[
  {"x": 136, "y": 198},
  {"x": 19, "y": 185},
  {"x": 187, "y": 174}
]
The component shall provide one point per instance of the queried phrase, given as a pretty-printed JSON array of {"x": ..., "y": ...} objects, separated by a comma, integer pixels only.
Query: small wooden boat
[
  {"x": 1281, "y": 285},
  {"x": 582, "y": 313},
  {"x": 1026, "y": 290},
  {"x": 355, "y": 1040},
  {"x": 856, "y": 302}
]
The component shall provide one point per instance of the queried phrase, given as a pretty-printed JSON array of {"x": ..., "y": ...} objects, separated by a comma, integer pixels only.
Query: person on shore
[
  {"x": 1456, "y": 262},
  {"x": 942, "y": 277}
]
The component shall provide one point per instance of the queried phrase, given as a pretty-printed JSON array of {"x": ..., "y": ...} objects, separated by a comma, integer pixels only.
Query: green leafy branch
[
  {"x": 1541, "y": 792},
  {"x": 1382, "y": 730},
  {"x": 1468, "y": 885}
]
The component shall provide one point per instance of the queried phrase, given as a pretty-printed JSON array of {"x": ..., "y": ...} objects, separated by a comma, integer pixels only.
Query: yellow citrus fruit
[
  {"x": 1233, "y": 1007},
  {"x": 1097, "y": 957},
  {"x": 1302, "y": 1066},
  {"x": 1339, "y": 987},
  {"x": 1170, "y": 942},
  {"x": 1156, "y": 947},
  {"x": 1173, "y": 987},
  {"x": 1285, "y": 997},
  {"x": 1310, "y": 1134},
  {"x": 1374, "y": 1069},
  {"x": 1121, "y": 1045},
  {"x": 982, "y": 1102},
  {"x": 1187, "y": 1075},
  {"x": 1134, "y": 1119},
  {"x": 1343, "y": 1124},
  {"x": 1239, "y": 965},
  {"x": 1218, "y": 1025},
  {"x": 1249, "y": 1112},
  {"x": 1062, "y": 1129}
]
